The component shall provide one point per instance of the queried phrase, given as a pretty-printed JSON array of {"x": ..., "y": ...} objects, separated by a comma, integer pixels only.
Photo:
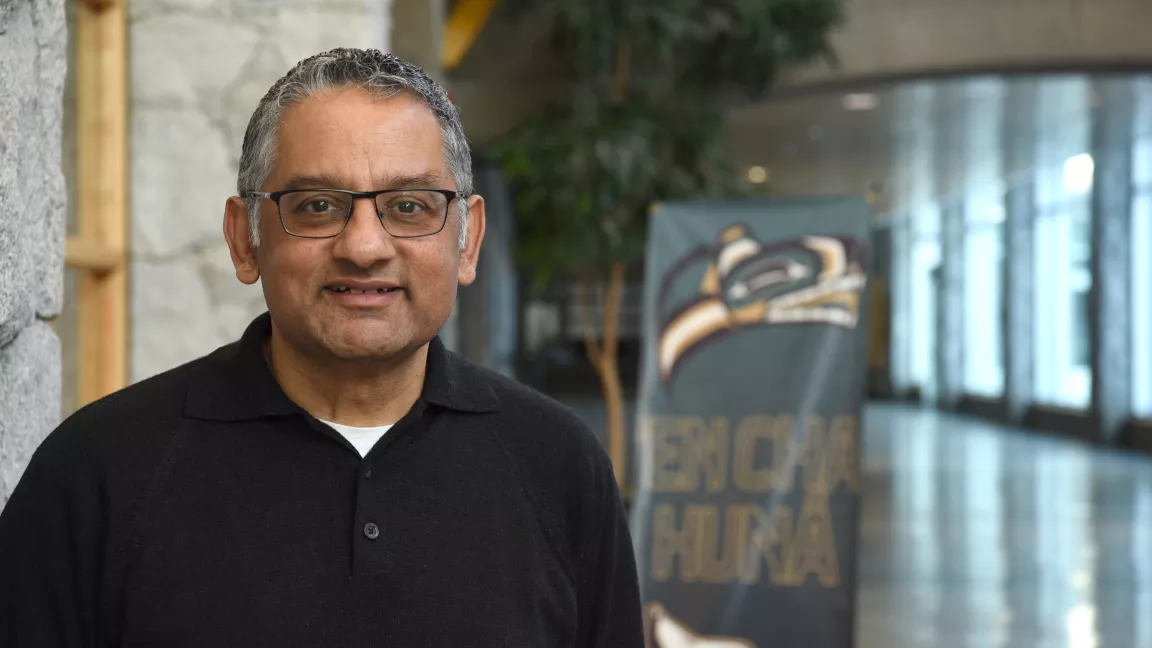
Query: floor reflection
[{"x": 975, "y": 535}]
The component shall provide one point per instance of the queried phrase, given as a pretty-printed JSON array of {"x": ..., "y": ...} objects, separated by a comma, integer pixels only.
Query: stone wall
[
  {"x": 32, "y": 67},
  {"x": 199, "y": 67}
]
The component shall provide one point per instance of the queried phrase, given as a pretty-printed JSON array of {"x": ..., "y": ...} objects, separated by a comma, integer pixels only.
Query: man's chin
[{"x": 367, "y": 345}]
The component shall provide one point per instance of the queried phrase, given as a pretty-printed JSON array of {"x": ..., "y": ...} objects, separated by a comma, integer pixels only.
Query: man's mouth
[{"x": 359, "y": 291}]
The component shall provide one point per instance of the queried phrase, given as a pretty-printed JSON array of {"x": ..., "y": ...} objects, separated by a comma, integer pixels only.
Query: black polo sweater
[{"x": 202, "y": 507}]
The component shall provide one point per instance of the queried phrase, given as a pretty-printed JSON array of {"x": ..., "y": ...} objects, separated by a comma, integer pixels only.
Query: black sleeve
[
  {"x": 610, "y": 592},
  {"x": 50, "y": 552}
]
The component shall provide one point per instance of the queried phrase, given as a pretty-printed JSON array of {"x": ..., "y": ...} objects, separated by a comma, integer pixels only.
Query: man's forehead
[
  {"x": 354, "y": 122},
  {"x": 393, "y": 141}
]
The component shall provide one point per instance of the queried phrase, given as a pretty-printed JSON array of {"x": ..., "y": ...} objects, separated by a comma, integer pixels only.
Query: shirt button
[
  {"x": 371, "y": 531},
  {"x": 368, "y": 474}
]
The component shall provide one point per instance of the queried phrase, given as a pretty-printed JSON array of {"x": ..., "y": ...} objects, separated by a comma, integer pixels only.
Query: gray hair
[{"x": 382, "y": 75}]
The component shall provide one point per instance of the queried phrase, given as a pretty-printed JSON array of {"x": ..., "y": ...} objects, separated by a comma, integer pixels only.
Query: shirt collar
[{"x": 234, "y": 383}]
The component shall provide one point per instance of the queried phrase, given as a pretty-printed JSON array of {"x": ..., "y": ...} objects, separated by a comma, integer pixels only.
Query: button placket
[{"x": 370, "y": 551}]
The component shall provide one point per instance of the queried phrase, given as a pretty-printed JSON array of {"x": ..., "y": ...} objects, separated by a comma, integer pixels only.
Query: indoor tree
[{"x": 640, "y": 121}]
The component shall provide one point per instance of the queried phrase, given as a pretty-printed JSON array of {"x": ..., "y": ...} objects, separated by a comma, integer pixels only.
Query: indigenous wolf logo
[
  {"x": 808, "y": 280},
  {"x": 662, "y": 630}
]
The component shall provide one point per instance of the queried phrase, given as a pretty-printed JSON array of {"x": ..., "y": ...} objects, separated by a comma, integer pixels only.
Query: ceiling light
[
  {"x": 860, "y": 101},
  {"x": 1078, "y": 172},
  {"x": 757, "y": 174}
]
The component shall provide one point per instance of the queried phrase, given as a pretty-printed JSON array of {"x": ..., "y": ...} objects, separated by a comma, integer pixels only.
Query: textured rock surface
[
  {"x": 198, "y": 69},
  {"x": 29, "y": 399},
  {"x": 32, "y": 66}
]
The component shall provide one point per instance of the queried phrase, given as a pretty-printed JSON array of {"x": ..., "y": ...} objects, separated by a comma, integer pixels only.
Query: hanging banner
[{"x": 747, "y": 484}]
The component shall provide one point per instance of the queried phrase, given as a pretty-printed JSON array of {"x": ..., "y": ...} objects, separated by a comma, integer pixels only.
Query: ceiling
[
  {"x": 933, "y": 136},
  {"x": 895, "y": 137}
]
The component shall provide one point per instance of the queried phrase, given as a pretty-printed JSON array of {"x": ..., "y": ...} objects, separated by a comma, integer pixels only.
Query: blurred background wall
[{"x": 32, "y": 63}]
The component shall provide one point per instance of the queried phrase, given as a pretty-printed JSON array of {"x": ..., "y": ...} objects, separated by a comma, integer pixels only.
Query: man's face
[{"x": 351, "y": 140}]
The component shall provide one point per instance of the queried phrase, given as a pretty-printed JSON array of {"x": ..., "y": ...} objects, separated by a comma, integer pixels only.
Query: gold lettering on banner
[
  {"x": 813, "y": 548},
  {"x": 671, "y": 473},
  {"x": 687, "y": 448},
  {"x": 705, "y": 543},
  {"x": 712, "y": 452},
  {"x": 697, "y": 543},
  {"x": 776, "y": 433},
  {"x": 719, "y": 551},
  {"x": 813, "y": 458},
  {"x": 843, "y": 458},
  {"x": 766, "y": 544},
  {"x": 749, "y": 540},
  {"x": 670, "y": 542}
]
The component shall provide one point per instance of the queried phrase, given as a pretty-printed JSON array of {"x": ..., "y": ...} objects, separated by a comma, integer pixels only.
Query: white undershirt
[{"x": 361, "y": 438}]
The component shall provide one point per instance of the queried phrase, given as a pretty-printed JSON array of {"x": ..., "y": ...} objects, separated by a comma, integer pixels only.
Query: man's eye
[
  {"x": 318, "y": 206},
  {"x": 408, "y": 207}
]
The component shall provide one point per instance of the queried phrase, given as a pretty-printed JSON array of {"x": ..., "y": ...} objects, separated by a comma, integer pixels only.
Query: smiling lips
[
  {"x": 360, "y": 291},
  {"x": 363, "y": 294}
]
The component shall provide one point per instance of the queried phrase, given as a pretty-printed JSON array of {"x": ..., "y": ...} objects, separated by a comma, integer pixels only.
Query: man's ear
[
  {"x": 239, "y": 237},
  {"x": 470, "y": 253}
]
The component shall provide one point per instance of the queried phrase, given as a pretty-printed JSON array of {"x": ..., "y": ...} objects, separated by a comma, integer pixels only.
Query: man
[{"x": 336, "y": 477}]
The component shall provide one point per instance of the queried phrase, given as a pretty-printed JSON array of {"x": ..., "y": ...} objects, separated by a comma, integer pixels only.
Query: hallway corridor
[{"x": 974, "y": 535}]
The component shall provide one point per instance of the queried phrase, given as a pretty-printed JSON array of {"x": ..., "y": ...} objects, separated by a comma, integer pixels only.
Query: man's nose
[{"x": 364, "y": 241}]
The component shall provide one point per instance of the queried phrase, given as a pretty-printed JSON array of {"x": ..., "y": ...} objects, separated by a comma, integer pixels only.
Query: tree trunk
[{"x": 603, "y": 354}]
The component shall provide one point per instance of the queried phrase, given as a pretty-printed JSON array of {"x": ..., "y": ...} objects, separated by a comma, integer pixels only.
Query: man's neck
[{"x": 359, "y": 394}]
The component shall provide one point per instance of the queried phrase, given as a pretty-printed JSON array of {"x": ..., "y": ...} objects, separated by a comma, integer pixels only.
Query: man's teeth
[{"x": 357, "y": 291}]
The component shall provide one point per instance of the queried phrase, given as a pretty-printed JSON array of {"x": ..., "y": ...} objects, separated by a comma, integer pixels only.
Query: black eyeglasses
[{"x": 324, "y": 213}]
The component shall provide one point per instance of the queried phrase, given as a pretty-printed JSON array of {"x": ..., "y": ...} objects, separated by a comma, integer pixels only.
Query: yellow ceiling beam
[{"x": 464, "y": 24}]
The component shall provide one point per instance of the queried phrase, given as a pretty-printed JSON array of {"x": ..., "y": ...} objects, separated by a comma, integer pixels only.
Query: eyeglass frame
[{"x": 275, "y": 197}]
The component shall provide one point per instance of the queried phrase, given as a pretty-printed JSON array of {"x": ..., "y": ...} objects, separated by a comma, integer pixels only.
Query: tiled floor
[{"x": 978, "y": 536}]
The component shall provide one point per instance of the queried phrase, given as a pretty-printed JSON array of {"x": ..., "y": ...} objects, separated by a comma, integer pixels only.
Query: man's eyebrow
[{"x": 424, "y": 180}]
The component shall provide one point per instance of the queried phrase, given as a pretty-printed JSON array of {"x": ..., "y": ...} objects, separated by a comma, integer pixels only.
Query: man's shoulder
[
  {"x": 136, "y": 420},
  {"x": 549, "y": 439},
  {"x": 564, "y": 467},
  {"x": 540, "y": 416},
  {"x": 156, "y": 397}
]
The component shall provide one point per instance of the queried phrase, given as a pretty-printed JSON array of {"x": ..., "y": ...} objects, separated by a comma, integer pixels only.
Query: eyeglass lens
[{"x": 318, "y": 213}]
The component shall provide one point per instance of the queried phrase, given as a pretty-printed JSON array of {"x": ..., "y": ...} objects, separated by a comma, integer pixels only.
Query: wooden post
[{"x": 99, "y": 250}]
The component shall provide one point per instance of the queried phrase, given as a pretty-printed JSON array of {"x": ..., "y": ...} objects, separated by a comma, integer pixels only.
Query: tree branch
[
  {"x": 623, "y": 61},
  {"x": 612, "y": 310},
  {"x": 591, "y": 347}
]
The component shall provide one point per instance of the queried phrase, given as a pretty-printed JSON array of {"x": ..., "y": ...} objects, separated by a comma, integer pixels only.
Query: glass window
[
  {"x": 1141, "y": 254},
  {"x": 1141, "y": 301},
  {"x": 983, "y": 241},
  {"x": 983, "y": 284},
  {"x": 900, "y": 289},
  {"x": 1063, "y": 277},
  {"x": 1062, "y": 373},
  {"x": 1142, "y": 163},
  {"x": 923, "y": 275}
]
